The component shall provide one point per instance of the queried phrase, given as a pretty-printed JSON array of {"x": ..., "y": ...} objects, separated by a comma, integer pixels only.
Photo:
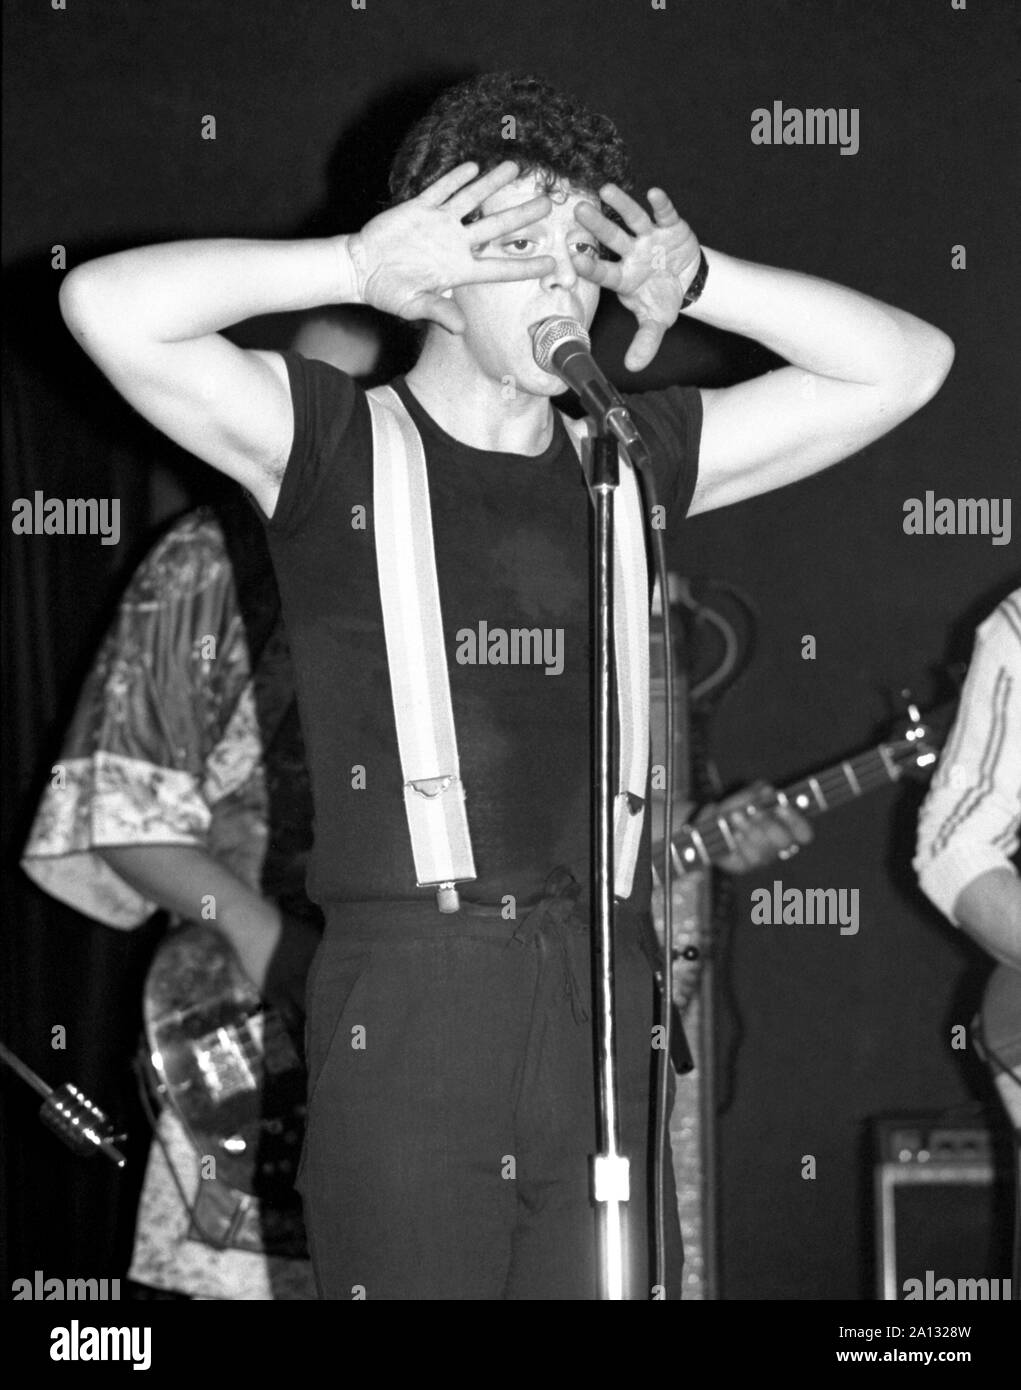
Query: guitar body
[
  {"x": 226, "y": 1065},
  {"x": 1000, "y": 1036}
]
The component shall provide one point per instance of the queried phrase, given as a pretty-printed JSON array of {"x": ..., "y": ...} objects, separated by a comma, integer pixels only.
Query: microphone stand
[
  {"x": 610, "y": 1168},
  {"x": 560, "y": 345}
]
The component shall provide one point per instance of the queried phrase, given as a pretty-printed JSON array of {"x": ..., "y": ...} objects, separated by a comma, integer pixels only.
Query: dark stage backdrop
[{"x": 103, "y": 148}]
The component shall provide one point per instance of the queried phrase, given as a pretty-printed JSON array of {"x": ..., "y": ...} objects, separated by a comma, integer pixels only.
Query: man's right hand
[
  {"x": 409, "y": 256},
  {"x": 151, "y": 318}
]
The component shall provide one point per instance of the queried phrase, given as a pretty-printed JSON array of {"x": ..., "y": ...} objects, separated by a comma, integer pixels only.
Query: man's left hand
[
  {"x": 658, "y": 260},
  {"x": 761, "y": 829}
]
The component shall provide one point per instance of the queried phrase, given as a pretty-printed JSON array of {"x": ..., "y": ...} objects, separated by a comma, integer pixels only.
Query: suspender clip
[{"x": 447, "y": 898}]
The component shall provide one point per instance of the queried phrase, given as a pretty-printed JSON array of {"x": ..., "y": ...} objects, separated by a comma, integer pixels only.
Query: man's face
[{"x": 500, "y": 315}]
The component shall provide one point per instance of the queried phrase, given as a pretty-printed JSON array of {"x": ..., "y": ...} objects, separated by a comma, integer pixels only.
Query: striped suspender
[
  {"x": 409, "y": 590},
  {"x": 434, "y": 797}
]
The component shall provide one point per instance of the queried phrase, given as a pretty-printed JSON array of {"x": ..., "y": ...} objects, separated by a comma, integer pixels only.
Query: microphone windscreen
[{"x": 550, "y": 333}]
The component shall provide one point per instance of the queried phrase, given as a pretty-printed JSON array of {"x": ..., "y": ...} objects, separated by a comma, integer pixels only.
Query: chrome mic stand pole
[{"x": 610, "y": 1168}]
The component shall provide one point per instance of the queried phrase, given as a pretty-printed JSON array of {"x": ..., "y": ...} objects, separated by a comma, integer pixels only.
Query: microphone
[{"x": 560, "y": 346}]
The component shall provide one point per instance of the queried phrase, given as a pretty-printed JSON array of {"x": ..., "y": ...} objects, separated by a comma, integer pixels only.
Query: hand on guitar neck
[
  {"x": 757, "y": 828},
  {"x": 760, "y": 823}
]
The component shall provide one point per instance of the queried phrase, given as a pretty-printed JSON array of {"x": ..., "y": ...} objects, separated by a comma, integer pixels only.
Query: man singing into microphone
[{"x": 451, "y": 1107}]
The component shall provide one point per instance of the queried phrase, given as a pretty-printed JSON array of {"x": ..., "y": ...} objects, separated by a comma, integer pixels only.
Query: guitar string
[
  {"x": 836, "y": 789},
  {"x": 870, "y": 772}
]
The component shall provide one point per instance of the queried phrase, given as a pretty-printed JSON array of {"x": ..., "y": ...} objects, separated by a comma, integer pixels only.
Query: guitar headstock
[{"x": 916, "y": 739}]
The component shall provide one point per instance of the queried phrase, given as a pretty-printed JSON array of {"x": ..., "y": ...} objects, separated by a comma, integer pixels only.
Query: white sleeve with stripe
[{"x": 969, "y": 820}]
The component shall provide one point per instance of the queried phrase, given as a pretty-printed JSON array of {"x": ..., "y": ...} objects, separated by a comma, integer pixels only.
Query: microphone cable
[{"x": 641, "y": 461}]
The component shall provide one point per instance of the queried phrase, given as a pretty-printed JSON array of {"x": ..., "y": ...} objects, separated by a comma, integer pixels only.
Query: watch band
[{"x": 698, "y": 283}]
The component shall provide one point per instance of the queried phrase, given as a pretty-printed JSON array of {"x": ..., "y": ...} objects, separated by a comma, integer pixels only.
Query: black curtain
[{"x": 62, "y": 971}]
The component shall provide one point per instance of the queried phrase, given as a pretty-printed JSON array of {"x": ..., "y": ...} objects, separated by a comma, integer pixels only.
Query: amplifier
[{"x": 943, "y": 1208}]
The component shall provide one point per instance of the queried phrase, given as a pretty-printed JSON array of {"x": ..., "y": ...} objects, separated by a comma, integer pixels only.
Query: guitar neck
[{"x": 708, "y": 838}]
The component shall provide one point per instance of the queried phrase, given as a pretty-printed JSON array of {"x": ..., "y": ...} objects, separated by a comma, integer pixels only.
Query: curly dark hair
[{"x": 554, "y": 136}]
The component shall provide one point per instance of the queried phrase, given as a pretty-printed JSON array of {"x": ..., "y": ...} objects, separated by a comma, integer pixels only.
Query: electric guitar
[
  {"x": 911, "y": 749},
  {"x": 226, "y": 1065}
]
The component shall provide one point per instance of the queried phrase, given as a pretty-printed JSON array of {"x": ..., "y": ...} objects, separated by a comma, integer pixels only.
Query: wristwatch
[{"x": 698, "y": 283}]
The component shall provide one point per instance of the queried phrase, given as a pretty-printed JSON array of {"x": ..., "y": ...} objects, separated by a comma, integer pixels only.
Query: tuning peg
[
  {"x": 914, "y": 716},
  {"x": 910, "y": 708}
]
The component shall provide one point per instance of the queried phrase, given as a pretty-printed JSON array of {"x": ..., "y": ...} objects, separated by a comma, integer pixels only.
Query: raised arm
[
  {"x": 151, "y": 319},
  {"x": 857, "y": 367}
]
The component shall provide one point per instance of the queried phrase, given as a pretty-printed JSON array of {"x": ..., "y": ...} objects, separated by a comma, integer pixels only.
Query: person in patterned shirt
[{"x": 167, "y": 782}]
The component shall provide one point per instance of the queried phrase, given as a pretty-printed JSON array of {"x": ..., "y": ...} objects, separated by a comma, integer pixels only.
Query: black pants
[{"x": 451, "y": 1106}]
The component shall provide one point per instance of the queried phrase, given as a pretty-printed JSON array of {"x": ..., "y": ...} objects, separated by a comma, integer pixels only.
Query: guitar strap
[{"x": 434, "y": 796}]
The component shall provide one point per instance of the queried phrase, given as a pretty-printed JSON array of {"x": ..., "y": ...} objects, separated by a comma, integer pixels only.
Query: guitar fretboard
[{"x": 709, "y": 837}]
